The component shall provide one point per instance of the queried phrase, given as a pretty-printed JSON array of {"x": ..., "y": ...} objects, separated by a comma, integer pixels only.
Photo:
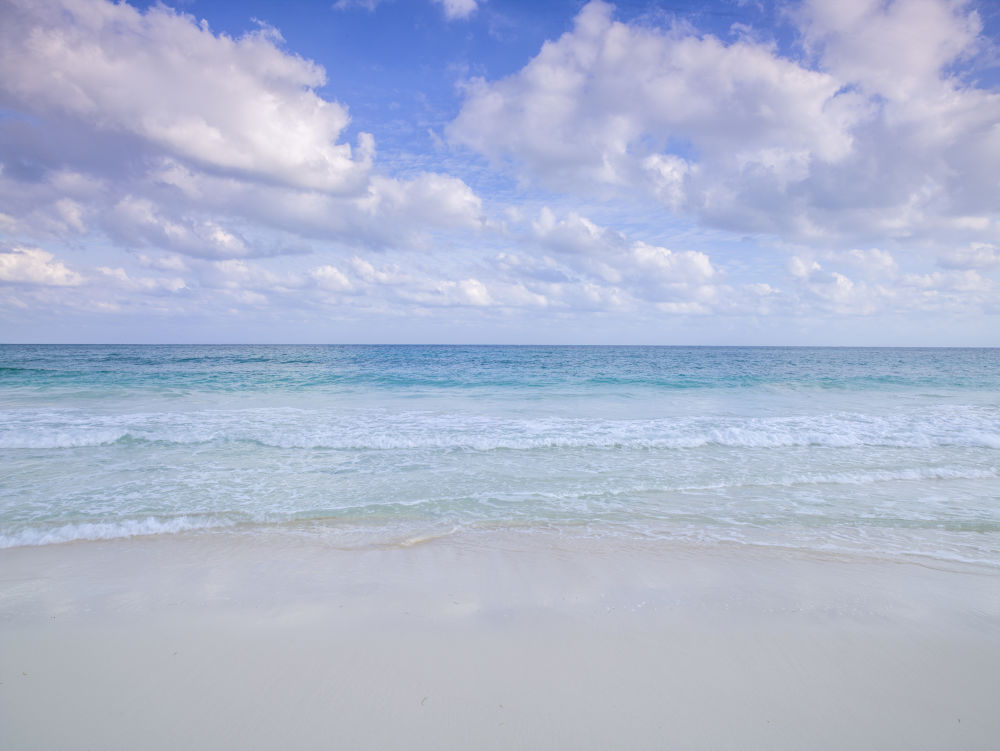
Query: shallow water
[{"x": 890, "y": 452}]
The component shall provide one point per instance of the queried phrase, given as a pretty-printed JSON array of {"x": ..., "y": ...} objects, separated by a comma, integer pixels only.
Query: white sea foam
[
  {"x": 300, "y": 429},
  {"x": 791, "y": 480},
  {"x": 108, "y": 530}
]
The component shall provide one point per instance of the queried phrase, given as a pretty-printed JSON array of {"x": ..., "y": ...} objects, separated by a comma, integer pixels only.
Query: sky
[{"x": 490, "y": 171}]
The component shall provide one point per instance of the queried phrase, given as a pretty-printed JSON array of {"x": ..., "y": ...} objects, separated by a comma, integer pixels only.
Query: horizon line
[{"x": 488, "y": 344}]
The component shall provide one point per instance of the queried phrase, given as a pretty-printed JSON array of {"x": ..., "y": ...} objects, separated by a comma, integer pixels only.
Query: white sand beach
[{"x": 496, "y": 640}]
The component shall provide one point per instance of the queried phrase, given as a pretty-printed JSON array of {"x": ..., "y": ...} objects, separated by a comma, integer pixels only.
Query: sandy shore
[{"x": 493, "y": 641}]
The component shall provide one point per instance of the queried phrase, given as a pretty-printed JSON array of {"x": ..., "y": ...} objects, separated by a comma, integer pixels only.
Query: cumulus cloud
[
  {"x": 464, "y": 292},
  {"x": 138, "y": 222},
  {"x": 870, "y": 282},
  {"x": 746, "y": 139},
  {"x": 604, "y": 256},
  {"x": 151, "y": 128},
  {"x": 429, "y": 197},
  {"x": 36, "y": 266},
  {"x": 894, "y": 49},
  {"x": 687, "y": 265},
  {"x": 331, "y": 278},
  {"x": 603, "y": 101},
  {"x": 389, "y": 212},
  {"x": 57, "y": 203},
  {"x": 124, "y": 70},
  {"x": 151, "y": 166}
]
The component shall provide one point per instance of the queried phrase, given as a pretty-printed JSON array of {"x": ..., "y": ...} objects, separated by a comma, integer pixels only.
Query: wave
[
  {"x": 379, "y": 431},
  {"x": 56, "y": 439},
  {"x": 110, "y": 530},
  {"x": 909, "y": 474}
]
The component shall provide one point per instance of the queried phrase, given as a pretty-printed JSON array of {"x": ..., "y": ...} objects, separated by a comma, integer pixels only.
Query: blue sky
[{"x": 500, "y": 172}]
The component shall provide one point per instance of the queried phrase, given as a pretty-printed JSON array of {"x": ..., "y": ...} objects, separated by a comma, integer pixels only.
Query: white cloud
[
  {"x": 593, "y": 101},
  {"x": 575, "y": 234},
  {"x": 71, "y": 214},
  {"x": 122, "y": 280},
  {"x": 745, "y": 139},
  {"x": 59, "y": 204},
  {"x": 163, "y": 263},
  {"x": 686, "y": 266},
  {"x": 894, "y": 49},
  {"x": 36, "y": 266},
  {"x": 465, "y": 292},
  {"x": 960, "y": 281},
  {"x": 832, "y": 291},
  {"x": 367, "y": 272},
  {"x": 454, "y": 9},
  {"x": 152, "y": 129},
  {"x": 974, "y": 256},
  {"x": 331, "y": 278},
  {"x": 233, "y": 274},
  {"x": 600, "y": 256},
  {"x": 138, "y": 222},
  {"x": 801, "y": 268},
  {"x": 870, "y": 263},
  {"x": 605, "y": 256},
  {"x": 434, "y": 199},
  {"x": 154, "y": 168},
  {"x": 240, "y": 105},
  {"x": 390, "y": 212},
  {"x": 886, "y": 290}
]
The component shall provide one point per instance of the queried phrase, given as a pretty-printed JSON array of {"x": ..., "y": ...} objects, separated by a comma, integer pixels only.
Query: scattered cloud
[
  {"x": 36, "y": 266},
  {"x": 455, "y": 9},
  {"x": 237, "y": 106},
  {"x": 369, "y": 5},
  {"x": 742, "y": 138},
  {"x": 973, "y": 256},
  {"x": 604, "y": 256},
  {"x": 151, "y": 285},
  {"x": 870, "y": 263},
  {"x": 640, "y": 171},
  {"x": 193, "y": 137}
]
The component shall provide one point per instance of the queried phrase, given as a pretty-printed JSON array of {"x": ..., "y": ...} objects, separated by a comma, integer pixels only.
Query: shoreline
[
  {"x": 356, "y": 536},
  {"x": 502, "y": 641}
]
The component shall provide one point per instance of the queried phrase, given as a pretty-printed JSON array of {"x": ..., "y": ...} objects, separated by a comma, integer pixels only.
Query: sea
[{"x": 892, "y": 453}]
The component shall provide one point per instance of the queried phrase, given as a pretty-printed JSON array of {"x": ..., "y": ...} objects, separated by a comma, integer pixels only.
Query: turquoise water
[{"x": 879, "y": 451}]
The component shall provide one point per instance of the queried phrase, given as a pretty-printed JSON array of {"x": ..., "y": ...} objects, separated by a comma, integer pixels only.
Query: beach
[
  {"x": 412, "y": 547},
  {"x": 491, "y": 640},
  {"x": 473, "y": 375}
]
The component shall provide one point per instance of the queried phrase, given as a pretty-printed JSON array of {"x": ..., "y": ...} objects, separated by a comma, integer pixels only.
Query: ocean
[{"x": 862, "y": 451}]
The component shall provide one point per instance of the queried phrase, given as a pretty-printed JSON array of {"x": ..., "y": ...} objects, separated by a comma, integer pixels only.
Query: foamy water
[{"x": 875, "y": 451}]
